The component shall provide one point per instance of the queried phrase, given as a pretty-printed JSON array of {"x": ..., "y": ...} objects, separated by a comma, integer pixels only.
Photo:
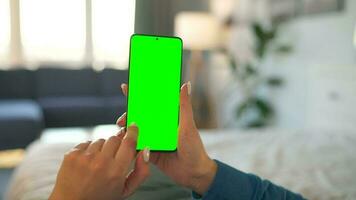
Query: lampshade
[
  {"x": 223, "y": 9},
  {"x": 199, "y": 31}
]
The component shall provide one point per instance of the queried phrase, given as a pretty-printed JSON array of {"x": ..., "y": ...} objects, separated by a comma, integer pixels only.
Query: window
[
  {"x": 53, "y": 30},
  {"x": 4, "y": 29},
  {"x": 113, "y": 24},
  {"x": 67, "y": 31}
]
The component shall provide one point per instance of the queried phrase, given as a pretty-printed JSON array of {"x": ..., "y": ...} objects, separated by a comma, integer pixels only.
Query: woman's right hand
[
  {"x": 102, "y": 169},
  {"x": 190, "y": 165}
]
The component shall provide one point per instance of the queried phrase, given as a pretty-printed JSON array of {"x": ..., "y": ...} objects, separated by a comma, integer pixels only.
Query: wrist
[
  {"x": 56, "y": 195},
  {"x": 204, "y": 177}
]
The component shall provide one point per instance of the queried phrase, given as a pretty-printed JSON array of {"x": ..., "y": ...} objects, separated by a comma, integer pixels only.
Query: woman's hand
[
  {"x": 190, "y": 165},
  {"x": 100, "y": 170}
]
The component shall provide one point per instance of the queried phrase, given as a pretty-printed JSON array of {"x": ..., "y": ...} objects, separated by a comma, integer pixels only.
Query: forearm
[{"x": 230, "y": 183}]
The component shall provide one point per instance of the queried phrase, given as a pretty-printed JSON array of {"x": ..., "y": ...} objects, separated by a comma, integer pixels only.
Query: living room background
[{"x": 62, "y": 64}]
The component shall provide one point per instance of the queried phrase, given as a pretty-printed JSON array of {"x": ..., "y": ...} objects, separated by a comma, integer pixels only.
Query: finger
[
  {"x": 154, "y": 157},
  {"x": 127, "y": 151},
  {"x": 95, "y": 146},
  {"x": 121, "y": 132},
  {"x": 82, "y": 146},
  {"x": 186, "y": 118},
  {"x": 111, "y": 146},
  {"x": 138, "y": 175},
  {"x": 121, "y": 121},
  {"x": 124, "y": 89}
]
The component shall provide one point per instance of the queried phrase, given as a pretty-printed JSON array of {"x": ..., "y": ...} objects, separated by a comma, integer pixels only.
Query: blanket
[{"x": 317, "y": 164}]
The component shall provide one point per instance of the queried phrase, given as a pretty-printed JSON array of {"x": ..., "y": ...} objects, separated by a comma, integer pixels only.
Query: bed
[{"x": 317, "y": 164}]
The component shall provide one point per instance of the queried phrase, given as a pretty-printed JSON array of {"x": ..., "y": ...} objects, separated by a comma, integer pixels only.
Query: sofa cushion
[
  {"x": 115, "y": 106},
  {"x": 21, "y": 121},
  {"x": 111, "y": 79},
  {"x": 73, "y": 111},
  {"x": 24, "y": 109},
  {"x": 16, "y": 84},
  {"x": 56, "y": 82}
]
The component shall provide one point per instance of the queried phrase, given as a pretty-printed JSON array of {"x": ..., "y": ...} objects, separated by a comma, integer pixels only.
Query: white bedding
[{"x": 320, "y": 165}]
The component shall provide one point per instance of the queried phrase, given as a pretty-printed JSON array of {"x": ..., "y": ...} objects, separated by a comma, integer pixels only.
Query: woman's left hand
[
  {"x": 100, "y": 170},
  {"x": 190, "y": 165}
]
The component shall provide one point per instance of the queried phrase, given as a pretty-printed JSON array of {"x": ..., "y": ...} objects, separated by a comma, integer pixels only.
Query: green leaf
[
  {"x": 258, "y": 30},
  {"x": 274, "y": 81},
  {"x": 256, "y": 124},
  {"x": 241, "y": 109},
  {"x": 233, "y": 64},
  {"x": 284, "y": 48},
  {"x": 264, "y": 107},
  {"x": 250, "y": 70},
  {"x": 264, "y": 37}
]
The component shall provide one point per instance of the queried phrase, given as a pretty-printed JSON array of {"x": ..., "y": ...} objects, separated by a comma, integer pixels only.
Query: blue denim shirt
[{"x": 230, "y": 183}]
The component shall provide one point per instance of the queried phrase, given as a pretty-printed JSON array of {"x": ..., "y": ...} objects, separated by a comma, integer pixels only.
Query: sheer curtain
[
  {"x": 66, "y": 31},
  {"x": 53, "y": 30},
  {"x": 4, "y": 30},
  {"x": 113, "y": 24}
]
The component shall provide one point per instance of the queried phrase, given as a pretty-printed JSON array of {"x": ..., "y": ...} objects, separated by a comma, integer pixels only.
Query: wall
[
  {"x": 157, "y": 16},
  {"x": 319, "y": 40},
  {"x": 322, "y": 40}
]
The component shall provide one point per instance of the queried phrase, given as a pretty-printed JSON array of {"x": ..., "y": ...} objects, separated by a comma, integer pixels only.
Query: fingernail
[
  {"x": 189, "y": 85},
  {"x": 120, "y": 118},
  {"x": 123, "y": 115},
  {"x": 122, "y": 86},
  {"x": 146, "y": 154}
]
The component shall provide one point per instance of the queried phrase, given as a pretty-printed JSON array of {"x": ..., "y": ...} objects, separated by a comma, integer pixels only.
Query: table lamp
[{"x": 200, "y": 32}]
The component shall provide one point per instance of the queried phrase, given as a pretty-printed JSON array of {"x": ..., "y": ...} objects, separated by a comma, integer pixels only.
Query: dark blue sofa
[{"x": 56, "y": 97}]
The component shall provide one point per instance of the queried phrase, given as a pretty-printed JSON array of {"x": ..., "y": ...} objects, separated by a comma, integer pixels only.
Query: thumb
[{"x": 186, "y": 118}]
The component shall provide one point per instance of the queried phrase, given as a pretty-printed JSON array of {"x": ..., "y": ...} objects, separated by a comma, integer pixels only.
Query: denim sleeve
[{"x": 230, "y": 183}]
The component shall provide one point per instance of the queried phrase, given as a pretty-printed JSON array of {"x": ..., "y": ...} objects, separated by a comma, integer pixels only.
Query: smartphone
[{"x": 153, "y": 90}]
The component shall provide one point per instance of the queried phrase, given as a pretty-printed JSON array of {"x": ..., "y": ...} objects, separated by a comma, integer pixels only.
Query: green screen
[{"x": 153, "y": 93}]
